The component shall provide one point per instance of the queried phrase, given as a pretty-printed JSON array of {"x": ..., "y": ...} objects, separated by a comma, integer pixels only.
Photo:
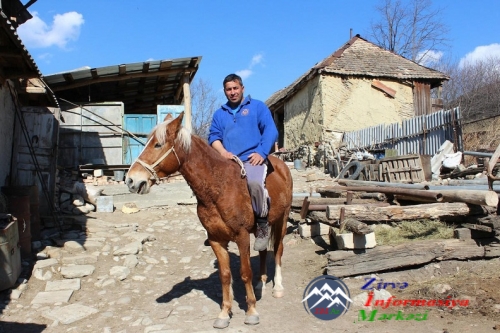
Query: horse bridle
[{"x": 150, "y": 167}]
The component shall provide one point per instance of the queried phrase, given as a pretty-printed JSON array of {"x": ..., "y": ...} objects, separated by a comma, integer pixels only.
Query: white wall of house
[
  {"x": 7, "y": 113},
  {"x": 303, "y": 116},
  {"x": 352, "y": 104}
]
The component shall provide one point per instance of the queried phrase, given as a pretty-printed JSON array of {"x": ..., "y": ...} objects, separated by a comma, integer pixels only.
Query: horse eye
[{"x": 157, "y": 145}]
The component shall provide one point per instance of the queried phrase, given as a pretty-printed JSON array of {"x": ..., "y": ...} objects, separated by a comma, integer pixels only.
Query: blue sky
[{"x": 270, "y": 43}]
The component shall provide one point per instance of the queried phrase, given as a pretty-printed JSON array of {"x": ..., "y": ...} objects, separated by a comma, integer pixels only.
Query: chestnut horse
[{"x": 224, "y": 204}]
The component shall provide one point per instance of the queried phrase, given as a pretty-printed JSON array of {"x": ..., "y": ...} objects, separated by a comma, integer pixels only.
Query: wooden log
[
  {"x": 388, "y": 190},
  {"x": 357, "y": 227},
  {"x": 477, "y": 227},
  {"x": 483, "y": 198},
  {"x": 381, "y": 258},
  {"x": 330, "y": 193},
  {"x": 297, "y": 203},
  {"x": 377, "y": 196},
  {"x": 372, "y": 214}
]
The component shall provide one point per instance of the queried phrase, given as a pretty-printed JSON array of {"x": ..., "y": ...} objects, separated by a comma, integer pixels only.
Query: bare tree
[
  {"x": 205, "y": 101},
  {"x": 411, "y": 29},
  {"x": 474, "y": 87}
]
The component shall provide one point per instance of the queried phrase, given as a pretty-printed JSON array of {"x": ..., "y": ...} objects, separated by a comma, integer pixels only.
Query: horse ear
[
  {"x": 168, "y": 117},
  {"x": 178, "y": 121}
]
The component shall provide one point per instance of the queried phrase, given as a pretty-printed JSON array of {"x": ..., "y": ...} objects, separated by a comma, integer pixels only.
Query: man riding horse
[{"x": 244, "y": 127}]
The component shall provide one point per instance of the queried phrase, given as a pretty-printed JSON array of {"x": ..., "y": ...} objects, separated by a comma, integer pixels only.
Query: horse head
[{"x": 162, "y": 155}]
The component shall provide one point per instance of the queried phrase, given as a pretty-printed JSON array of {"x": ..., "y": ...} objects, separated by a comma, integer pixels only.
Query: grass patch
[{"x": 413, "y": 230}]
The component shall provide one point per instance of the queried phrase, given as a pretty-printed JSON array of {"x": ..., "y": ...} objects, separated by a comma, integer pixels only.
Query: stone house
[{"x": 358, "y": 86}]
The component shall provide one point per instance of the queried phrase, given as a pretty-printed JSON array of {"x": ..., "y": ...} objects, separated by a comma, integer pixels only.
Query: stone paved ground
[{"x": 150, "y": 272}]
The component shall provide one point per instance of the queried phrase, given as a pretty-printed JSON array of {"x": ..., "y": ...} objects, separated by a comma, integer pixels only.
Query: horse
[{"x": 224, "y": 204}]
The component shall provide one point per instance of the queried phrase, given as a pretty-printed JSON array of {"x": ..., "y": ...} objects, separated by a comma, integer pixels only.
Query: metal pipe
[
  {"x": 390, "y": 190},
  {"x": 476, "y": 153},
  {"x": 350, "y": 182}
]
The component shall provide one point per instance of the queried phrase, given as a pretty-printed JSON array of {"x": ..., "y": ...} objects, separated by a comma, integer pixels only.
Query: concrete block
[
  {"x": 98, "y": 173},
  {"x": 308, "y": 230},
  {"x": 462, "y": 233},
  {"x": 104, "y": 204},
  {"x": 351, "y": 241}
]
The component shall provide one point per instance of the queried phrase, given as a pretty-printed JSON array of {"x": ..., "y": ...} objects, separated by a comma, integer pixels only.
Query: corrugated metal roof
[
  {"x": 15, "y": 60},
  {"x": 140, "y": 86},
  {"x": 359, "y": 57}
]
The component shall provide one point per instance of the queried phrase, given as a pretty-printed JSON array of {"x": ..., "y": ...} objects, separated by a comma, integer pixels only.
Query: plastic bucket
[
  {"x": 119, "y": 174},
  {"x": 297, "y": 164}
]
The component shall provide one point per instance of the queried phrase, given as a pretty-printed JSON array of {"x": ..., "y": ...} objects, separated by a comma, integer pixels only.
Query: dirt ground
[{"x": 175, "y": 286}]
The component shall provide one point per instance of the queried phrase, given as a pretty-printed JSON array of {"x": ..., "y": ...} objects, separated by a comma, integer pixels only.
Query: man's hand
[
  {"x": 255, "y": 159},
  {"x": 227, "y": 154}
]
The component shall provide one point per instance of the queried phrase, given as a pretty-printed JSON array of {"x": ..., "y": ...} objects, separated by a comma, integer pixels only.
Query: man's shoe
[{"x": 261, "y": 235}]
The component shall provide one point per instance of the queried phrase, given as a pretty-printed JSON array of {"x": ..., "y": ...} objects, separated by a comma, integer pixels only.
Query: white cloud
[
  {"x": 481, "y": 53},
  {"x": 429, "y": 57},
  {"x": 35, "y": 33},
  {"x": 256, "y": 59},
  {"x": 244, "y": 74}
]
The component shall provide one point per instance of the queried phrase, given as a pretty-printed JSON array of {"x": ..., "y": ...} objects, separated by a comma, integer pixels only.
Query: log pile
[{"x": 358, "y": 206}]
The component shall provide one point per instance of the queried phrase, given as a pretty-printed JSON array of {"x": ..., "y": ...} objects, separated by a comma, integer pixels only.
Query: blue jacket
[{"x": 250, "y": 130}]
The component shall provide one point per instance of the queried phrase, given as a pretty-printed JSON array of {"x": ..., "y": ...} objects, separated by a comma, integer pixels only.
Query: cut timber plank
[
  {"x": 399, "y": 213},
  {"x": 382, "y": 258}
]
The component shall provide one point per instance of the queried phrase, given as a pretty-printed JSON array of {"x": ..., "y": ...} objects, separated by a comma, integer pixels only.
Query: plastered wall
[{"x": 328, "y": 106}]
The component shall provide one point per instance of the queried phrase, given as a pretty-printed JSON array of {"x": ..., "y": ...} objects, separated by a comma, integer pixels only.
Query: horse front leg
[
  {"x": 252, "y": 316},
  {"x": 220, "y": 250}
]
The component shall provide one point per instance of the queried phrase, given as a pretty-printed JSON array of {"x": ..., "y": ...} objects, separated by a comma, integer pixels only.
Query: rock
[
  {"x": 130, "y": 261},
  {"x": 132, "y": 248},
  {"x": 70, "y": 313},
  {"x": 129, "y": 208},
  {"x": 441, "y": 288},
  {"x": 120, "y": 272},
  {"x": 77, "y": 271},
  {"x": 78, "y": 200}
]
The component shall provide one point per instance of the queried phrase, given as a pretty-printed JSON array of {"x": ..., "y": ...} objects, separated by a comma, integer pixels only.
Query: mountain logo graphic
[{"x": 326, "y": 297}]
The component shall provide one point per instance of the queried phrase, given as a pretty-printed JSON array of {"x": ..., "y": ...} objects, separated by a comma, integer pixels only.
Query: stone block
[
  {"x": 98, "y": 173},
  {"x": 462, "y": 233},
  {"x": 351, "y": 241},
  {"x": 104, "y": 204},
  {"x": 308, "y": 230}
]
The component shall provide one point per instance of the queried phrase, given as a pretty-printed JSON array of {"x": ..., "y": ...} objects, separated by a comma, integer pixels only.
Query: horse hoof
[
  {"x": 252, "y": 320},
  {"x": 221, "y": 323},
  {"x": 278, "y": 293}
]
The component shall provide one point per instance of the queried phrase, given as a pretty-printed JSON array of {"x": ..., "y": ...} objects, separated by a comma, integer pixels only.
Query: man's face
[{"x": 234, "y": 92}]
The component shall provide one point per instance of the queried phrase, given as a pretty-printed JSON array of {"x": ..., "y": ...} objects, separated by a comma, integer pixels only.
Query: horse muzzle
[{"x": 137, "y": 186}]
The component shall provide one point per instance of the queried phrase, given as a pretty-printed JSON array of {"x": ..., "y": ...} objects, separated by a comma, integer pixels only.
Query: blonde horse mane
[{"x": 183, "y": 137}]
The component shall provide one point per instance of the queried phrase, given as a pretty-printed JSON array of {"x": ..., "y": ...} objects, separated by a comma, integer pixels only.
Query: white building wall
[
  {"x": 303, "y": 119},
  {"x": 351, "y": 104}
]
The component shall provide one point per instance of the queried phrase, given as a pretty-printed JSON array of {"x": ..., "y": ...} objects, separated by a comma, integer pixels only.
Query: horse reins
[{"x": 150, "y": 167}]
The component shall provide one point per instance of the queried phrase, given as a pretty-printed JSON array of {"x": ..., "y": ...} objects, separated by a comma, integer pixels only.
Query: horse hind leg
[
  {"x": 279, "y": 233},
  {"x": 260, "y": 287}
]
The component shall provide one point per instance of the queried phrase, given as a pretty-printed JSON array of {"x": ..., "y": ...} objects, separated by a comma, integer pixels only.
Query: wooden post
[
  {"x": 187, "y": 102},
  {"x": 305, "y": 208}
]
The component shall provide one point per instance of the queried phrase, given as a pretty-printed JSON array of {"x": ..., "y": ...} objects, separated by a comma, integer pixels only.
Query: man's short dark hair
[{"x": 232, "y": 77}]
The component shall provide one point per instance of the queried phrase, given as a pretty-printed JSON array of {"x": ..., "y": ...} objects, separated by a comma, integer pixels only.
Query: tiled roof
[{"x": 359, "y": 57}]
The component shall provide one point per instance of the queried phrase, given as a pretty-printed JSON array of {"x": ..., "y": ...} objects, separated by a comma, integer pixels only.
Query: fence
[{"x": 419, "y": 135}]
